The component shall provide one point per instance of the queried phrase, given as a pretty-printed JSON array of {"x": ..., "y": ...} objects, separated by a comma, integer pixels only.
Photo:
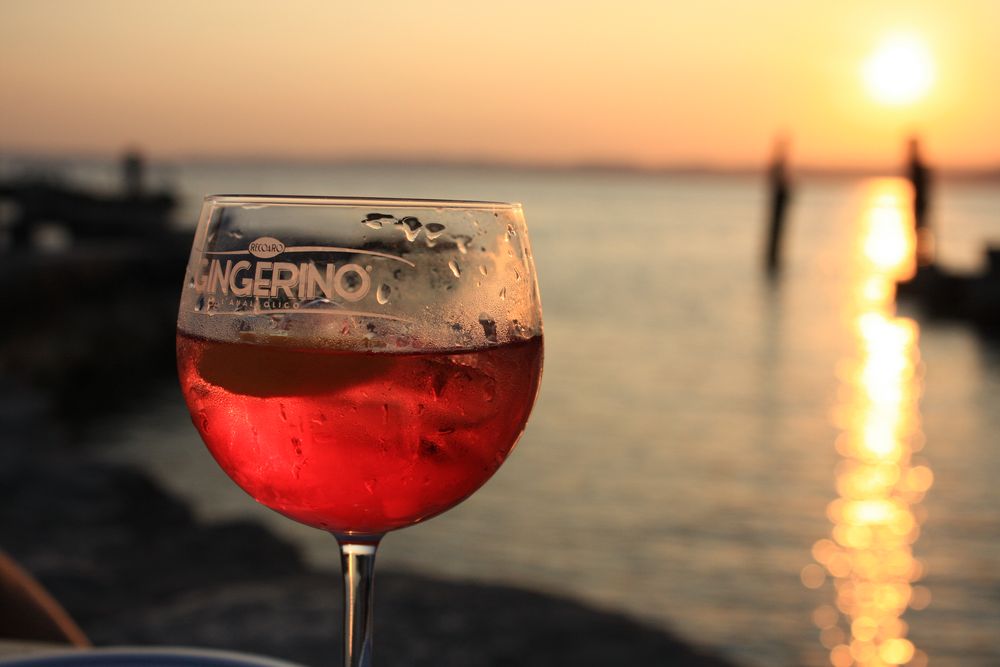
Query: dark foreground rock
[{"x": 133, "y": 566}]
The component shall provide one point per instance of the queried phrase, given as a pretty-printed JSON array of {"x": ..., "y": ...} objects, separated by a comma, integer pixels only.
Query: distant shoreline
[{"x": 694, "y": 169}]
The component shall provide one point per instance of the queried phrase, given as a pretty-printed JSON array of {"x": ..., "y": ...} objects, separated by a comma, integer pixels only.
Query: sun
[{"x": 900, "y": 71}]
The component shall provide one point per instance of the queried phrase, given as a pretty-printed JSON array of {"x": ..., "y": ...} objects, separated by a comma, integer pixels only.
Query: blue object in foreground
[{"x": 129, "y": 657}]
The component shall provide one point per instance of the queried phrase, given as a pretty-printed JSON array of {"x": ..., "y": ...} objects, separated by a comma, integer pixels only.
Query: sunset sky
[{"x": 647, "y": 83}]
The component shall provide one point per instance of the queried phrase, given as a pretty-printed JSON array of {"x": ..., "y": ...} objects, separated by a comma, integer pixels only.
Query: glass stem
[{"x": 357, "y": 560}]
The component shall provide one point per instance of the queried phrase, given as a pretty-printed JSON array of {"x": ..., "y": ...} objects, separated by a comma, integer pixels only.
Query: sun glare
[{"x": 900, "y": 71}]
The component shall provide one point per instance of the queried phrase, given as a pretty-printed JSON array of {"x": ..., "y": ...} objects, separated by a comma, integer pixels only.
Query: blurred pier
[
  {"x": 93, "y": 277},
  {"x": 949, "y": 294}
]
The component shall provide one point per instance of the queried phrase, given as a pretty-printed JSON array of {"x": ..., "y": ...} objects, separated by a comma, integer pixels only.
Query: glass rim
[{"x": 366, "y": 202}]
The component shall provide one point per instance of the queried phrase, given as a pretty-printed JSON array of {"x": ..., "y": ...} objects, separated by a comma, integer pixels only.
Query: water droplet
[
  {"x": 462, "y": 243},
  {"x": 385, "y": 413},
  {"x": 520, "y": 330},
  {"x": 510, "y": 232},
  {"x": 234, "y": 234},
  {"x": 281, "y": 409},
  {"x": 191, "y": 281},
  {"x": 446, "y": 430},
  {"x": 489, "y": 390},
  {"x": 429, "y": 448},
  {"x": 503, "y": 293},
  {"x": 434, "y": 230},
  {"x": 374, "y": 220},
  {"x": 199, "y": 305},
  {"x": 203, "y": 420},
  {"x": 382, "y": 294},
  {"x": 370, "y": 485},
  {"x": 411, "y": 227},
  {"x": 482, "y": 269},
  {"x": 453, "y": 265},
  {"x": 489, "y": 327},
  {"x": 517, "y": 276},
  {"x": 397, "y": 274},
  {"x": 346, "y": 329}
]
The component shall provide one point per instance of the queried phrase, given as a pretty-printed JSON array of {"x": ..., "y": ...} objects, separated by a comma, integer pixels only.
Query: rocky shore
[{"x": 132, "y": 566}]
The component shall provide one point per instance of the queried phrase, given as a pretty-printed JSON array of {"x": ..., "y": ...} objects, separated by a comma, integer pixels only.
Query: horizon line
[{"x": 681, "y": 167}]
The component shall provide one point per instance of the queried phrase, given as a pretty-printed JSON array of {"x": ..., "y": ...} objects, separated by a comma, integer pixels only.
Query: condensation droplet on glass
[
  {"x": 489, "y": 390},
  {"x": 482, "y": 269},
  {"x": 453, "y": 265},
  {"x": 191, "y": 281},
  {"x": 411, "y": 227},
  {"x": 461, "y": 243},
  {"x": 503, "y": 293},
  {"x": 510, "y": 232},
  {"x": 517, "y": 276},
  {"x": 234, "y": 234},
  {"x": 397, "y": 274},
  {"x": 434, "y": 230},
  {"x": 199, "y": 305},
  {"x": 370, "y": 485},
  {"x": 520, "y": 330},
  {"x": 374, "y": 220},
  {"x": 346, "y": 329},
  {"x": 382, "y": 294},
  {"x": 489, "y": 327}
]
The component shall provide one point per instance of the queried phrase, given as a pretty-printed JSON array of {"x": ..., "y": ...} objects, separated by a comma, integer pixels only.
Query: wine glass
[{"x": 359, "y": 365}]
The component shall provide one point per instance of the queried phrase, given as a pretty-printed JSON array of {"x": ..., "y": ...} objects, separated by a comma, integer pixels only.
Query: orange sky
[{"x": 552, "y": 81}]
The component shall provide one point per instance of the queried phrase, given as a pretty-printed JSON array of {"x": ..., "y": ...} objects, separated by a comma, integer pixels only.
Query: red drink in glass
[{"x": 358, "y": 441}]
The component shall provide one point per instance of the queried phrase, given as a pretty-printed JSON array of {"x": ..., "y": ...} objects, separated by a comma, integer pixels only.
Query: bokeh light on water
[{"x": 880, "y": 480}]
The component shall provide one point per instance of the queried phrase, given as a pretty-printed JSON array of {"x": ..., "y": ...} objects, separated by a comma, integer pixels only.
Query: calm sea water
[{"x": 682, "y": 461}]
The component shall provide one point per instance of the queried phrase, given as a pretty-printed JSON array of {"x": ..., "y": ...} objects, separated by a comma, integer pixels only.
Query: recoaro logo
[{"x": 266, "y": 247}]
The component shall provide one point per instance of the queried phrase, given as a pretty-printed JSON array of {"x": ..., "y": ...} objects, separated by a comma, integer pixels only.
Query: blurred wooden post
[{"x": 779, "y": 193}]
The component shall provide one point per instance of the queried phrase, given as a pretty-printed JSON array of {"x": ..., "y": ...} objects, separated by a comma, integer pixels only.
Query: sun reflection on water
[{"x": 880, "y": 484}]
